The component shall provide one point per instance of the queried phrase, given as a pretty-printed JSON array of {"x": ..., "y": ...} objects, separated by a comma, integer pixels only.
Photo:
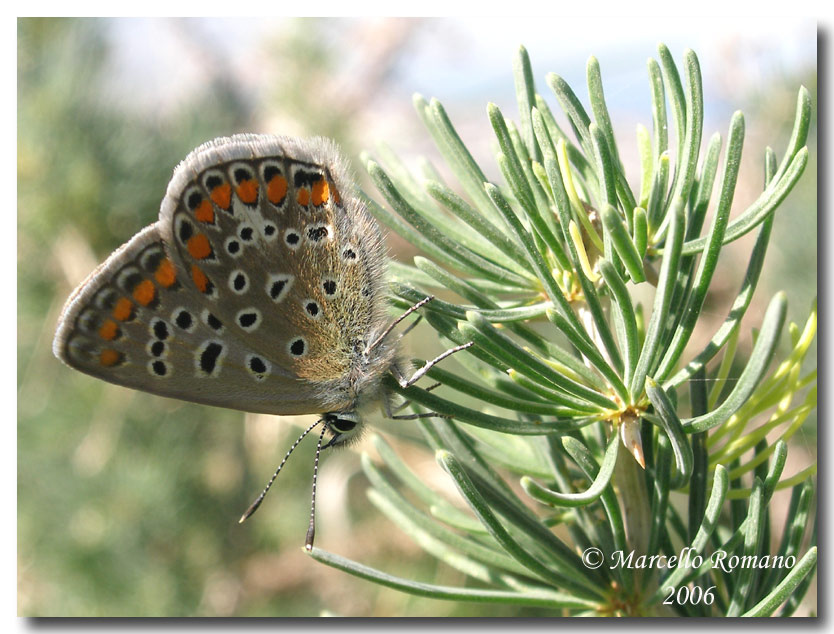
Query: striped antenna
[
  {"x": 311, "y": 530},
  {"x": 254, "y": 506}
]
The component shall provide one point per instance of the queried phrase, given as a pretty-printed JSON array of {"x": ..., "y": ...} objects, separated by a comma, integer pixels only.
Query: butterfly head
[{"x": 346, "y": 427}]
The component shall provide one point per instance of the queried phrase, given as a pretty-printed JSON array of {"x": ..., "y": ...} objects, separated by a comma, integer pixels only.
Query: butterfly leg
[
  {"x": 394, "y": 323},
  {"x": 392, "y": 413},
  {"x": 408, "y": 382},
  {"x": 410, "y": 327},
  {"x": 404, "y": 383},
  {"x": 407, "y": 402},
  {"x": 420, "y": 415}
]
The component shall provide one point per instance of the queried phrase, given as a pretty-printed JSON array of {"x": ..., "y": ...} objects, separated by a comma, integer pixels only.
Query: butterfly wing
[
  {"x": 134, "y": 323},
  {"x": 254, "y": 290},
  {"x": 276, "y": 241}
]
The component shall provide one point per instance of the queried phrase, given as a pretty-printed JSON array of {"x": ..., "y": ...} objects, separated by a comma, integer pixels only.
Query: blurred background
[{"x": 128, "y": 503}]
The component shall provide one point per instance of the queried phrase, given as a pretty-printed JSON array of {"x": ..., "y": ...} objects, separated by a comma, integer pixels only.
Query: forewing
[{"x": 136, "y": 323}]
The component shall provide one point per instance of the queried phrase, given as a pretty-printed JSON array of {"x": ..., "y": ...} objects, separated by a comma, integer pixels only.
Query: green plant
[{"x": 567, "y": 370}]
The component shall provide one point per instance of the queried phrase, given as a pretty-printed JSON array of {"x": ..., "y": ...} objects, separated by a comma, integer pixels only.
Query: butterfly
[{"x": 261, "y": 288}]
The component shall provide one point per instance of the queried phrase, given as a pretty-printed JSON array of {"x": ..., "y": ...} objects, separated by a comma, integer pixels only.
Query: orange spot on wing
[
  {"x": 277, "y": 189},
  {"x": 303, "y": 197},
  {"x": 247, "y": 191},
  {"x": 199, "y": 246},
  {"x": 200, "y": 279},
  {"x": 123, "y": 310},
  {"x": 109, "y": 330},
  {"x": 144, "y": 293},
  {"x": 222, "y": 195},
  {"x": 205, "y": 212},
  {"x": 165, "y": 274},
  {"x": 321, "y": 192},
  {"x": 109, "y": 357},
  {"x": 336, "y": 198}
]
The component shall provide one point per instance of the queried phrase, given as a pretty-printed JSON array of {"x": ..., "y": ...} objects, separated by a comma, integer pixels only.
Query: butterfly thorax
[{"x": 357, "y": 384}]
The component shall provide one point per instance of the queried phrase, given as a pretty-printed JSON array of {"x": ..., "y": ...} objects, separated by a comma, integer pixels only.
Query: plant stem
[{"x": 631, "y": 484}]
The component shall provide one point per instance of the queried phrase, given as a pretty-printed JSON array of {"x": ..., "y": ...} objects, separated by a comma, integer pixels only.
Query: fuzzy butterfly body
[{"x": 259, "y": 288}]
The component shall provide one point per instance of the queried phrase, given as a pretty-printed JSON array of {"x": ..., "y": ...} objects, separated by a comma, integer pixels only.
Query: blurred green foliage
[{"x": 128, "y": 503}]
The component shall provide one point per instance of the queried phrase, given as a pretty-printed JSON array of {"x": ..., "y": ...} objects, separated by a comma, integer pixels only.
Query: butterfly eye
[
  {"x": 342, "y": 422},
  {"x": 342, "y": 425}
]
